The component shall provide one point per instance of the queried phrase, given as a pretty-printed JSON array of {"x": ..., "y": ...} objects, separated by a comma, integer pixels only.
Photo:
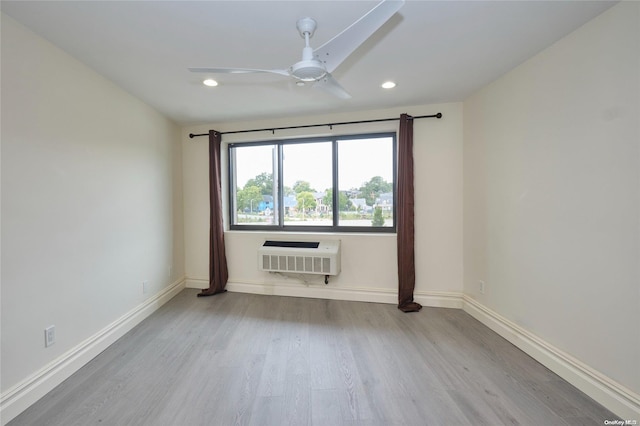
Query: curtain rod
[{"x": 330, "y": 125}]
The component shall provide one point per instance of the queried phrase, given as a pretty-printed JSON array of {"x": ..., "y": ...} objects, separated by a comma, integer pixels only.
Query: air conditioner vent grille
[
  {"x": 303, "y": 264},
  {"x": 315, "y": 258}
]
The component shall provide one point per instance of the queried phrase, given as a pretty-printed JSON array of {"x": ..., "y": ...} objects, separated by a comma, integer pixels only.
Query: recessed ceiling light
[
  {"x": 388, "y": 85},
  {"x": 210, "y": 82}
]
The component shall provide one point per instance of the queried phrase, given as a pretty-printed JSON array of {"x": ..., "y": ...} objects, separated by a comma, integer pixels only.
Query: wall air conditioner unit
[{"x": 301, "y": 257}]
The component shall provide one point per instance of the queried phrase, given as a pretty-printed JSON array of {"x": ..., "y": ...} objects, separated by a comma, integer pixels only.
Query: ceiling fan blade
[
  {"x": 330, "y": 85},
  {"x": 237, "y": 71},
  {"x": 336, "y": 50}
]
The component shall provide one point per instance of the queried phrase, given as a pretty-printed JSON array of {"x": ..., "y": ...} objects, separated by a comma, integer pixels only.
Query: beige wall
[
  {"x": 369, "y": 269},
  {"x": 91, "y": 202},
  {"x": 552, "y": 195}
]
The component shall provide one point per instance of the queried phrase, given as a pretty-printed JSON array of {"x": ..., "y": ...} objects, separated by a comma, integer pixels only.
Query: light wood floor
[{"x": 242, "y": 359}]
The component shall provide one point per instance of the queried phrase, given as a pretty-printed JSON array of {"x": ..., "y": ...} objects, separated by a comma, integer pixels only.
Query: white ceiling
[{"x": 436, "y": 51}]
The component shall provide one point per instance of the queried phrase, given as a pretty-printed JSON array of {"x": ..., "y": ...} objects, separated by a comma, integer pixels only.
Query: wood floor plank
[
  {"x": 325, "y": 408},
  {"x": 246, "y": 359},
  {"x": 475, "y": 408},
  {"x": 268, "y": 411},
  {"x": 297, "y": 400}
]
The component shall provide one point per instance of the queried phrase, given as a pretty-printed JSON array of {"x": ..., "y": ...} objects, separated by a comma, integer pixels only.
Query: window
[{"x": 341, "y": 183}]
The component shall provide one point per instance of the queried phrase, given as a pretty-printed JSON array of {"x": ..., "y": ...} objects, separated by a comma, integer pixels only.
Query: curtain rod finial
[
  {"x": 191, "y": 135},
  {"x": 439, "y": 115}
]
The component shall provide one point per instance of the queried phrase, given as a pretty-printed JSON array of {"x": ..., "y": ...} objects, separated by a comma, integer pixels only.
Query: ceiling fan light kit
[{"x": 317, "y": 65}]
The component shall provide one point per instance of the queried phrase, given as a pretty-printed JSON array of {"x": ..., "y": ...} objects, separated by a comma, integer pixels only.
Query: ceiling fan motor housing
[{"x": 310, "y": 70}]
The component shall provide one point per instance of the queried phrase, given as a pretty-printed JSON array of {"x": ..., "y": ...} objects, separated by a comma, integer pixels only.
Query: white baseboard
[
  {"x": 19, "y": 397},
  {"x": 318, "y": 290},
  {"x": 612, "y": 395}
]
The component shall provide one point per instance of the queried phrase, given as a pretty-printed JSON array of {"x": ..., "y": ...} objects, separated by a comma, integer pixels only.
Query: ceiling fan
[{"x": 318, "y": 64}]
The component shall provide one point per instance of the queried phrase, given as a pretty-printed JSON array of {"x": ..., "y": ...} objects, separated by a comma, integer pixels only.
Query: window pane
[
  {"x": 307, "y": 180},
  {"x": 365, "y": 180},
  {"x": 288, "y": 185},
  {"x": 254, "y": 195}
]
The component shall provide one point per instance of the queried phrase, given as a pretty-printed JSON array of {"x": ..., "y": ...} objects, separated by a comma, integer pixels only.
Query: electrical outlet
[
  {"x": 145, "y": 287},
  {"x": 49, "y": 336},
  {"x": 481, "y": 285}
]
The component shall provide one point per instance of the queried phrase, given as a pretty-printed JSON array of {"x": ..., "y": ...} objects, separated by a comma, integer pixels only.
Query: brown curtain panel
[
  {"x": 405, "y": 223},
  {"x": 218, "y": 273}
]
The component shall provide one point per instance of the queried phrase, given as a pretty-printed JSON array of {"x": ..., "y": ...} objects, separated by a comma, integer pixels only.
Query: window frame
[{"x": 278, "y": 181}]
